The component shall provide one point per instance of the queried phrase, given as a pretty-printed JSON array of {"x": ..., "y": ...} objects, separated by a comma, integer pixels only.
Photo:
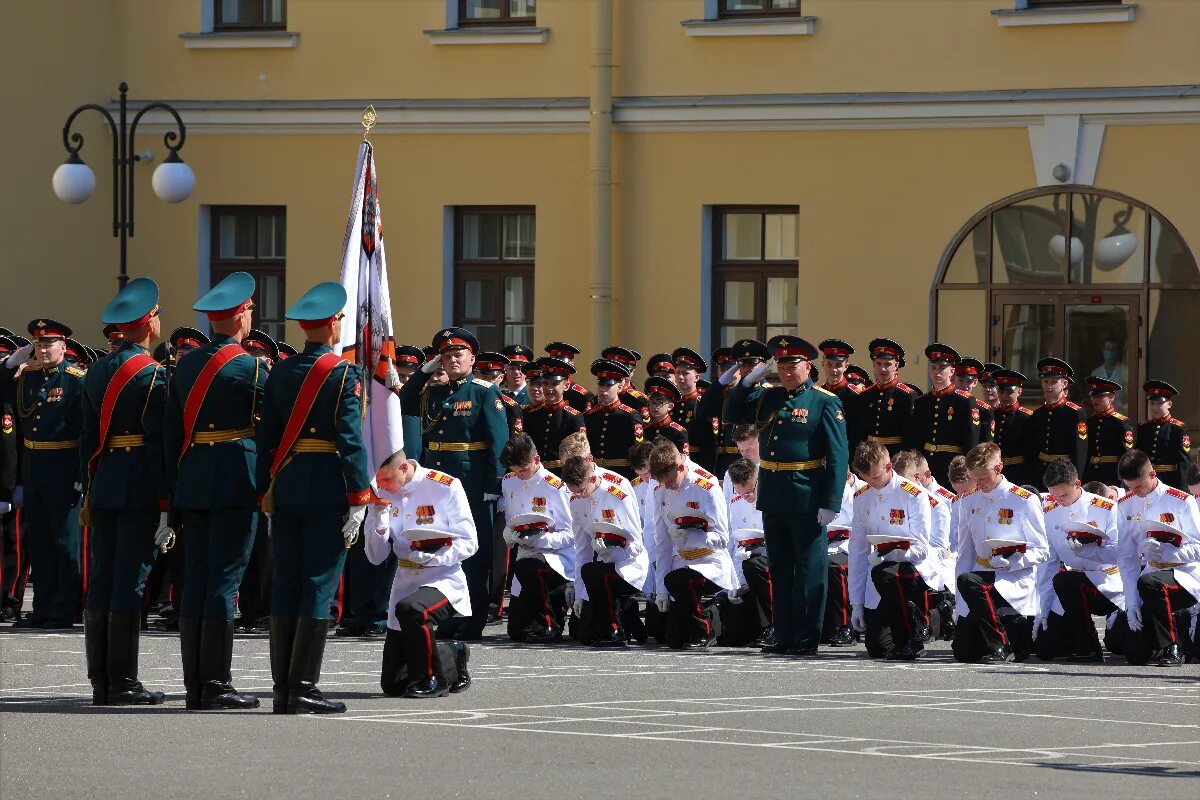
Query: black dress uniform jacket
[
  {"x": 1058, "y": 431},
  {"x": 1109, "y": 436},
  {"x": 882, "y": 414},
  {"x": 612, "y": 430},
  {"x": 1014, "y": 426},
  {"x": 944, "y": 424},
  {"x": 548, "y": 424},
  {"x": 1169, "y": 446}
]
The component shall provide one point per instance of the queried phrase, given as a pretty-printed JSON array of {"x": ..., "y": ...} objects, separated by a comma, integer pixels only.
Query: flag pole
[{"x": 369, "y": 120}]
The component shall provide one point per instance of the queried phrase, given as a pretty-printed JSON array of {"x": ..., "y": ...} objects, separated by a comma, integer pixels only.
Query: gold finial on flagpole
[{"x": 369, "y": 120}]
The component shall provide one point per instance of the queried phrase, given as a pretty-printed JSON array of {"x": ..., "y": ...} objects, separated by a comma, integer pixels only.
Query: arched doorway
[{"x": 1085, "y": 274}]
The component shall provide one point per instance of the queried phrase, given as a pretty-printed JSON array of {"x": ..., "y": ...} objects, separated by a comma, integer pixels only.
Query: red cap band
[
  {"x": 315, "y": 324},
  {"x": 215, "y": 316}
]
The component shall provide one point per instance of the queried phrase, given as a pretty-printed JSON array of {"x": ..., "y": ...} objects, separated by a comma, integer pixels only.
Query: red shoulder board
[
  {"x": 577, "y": 388},
  {"x": 1120, "y": 416},
  {"x": 441, "y": 477},
  {"x": 933, "y": 503},
  {"x": 1025, "y": 411},
  {"x": 964, "y": 393},
  {"x": 611, "y": 477},
  {"x": 592, "y": 410},
  {"x": 945, "y": 493},
  {"x": 1126, "y": 497},
  {"x": 1177, "y": 494},
  {"x": 617, "y": 493},
  {"x": 1072, "y": 406},
  {"x": 1021, "y": 493},
  {"x": 634, "y": 393},
  {"x": 856, "y": 388},
  {"x": 625, "y": 408},
  {"x": 904, "y": 387},
  {"x": 703, "y": 473},
  {"x": 1101, "y": 502},
  {"x": 570, "y": 410},
  {"x": 862, "y": 489},
  {"x": 967, "y": 493},
  {"x": 554, "y": 481},
  {"x": 705, "y": 485},
  {"x": 636, "y": 482},
  {"x": 1178, "y": 423},
  {"x": 675, "y": 426},
  {"x": 1049, "y": 507}
]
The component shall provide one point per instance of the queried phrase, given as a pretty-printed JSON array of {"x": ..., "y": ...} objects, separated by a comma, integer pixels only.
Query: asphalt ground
[{"x": 563, "y": 721}]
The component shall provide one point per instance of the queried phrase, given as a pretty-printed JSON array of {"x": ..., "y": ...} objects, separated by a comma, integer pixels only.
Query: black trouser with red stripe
[
  {"x": 758, "y": 577},
  {"x": 687, "y": 588},
  {"x": 394, "y": 679},
  {"x": 1081, "y": 600},
  {"x": 899, "y": 584},
  {"x": 837, "y": 601},
  {"x": 605, "y": 588},
  {"x": 532, "y": 607},
  {"x": 1162, "y": 596},
  {"x": 416, "y": 615},
  {"x": 978, "y": 591}
]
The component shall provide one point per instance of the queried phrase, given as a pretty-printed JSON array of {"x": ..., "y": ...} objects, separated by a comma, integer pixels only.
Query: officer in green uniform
[
  {"x": 803, "y": 473},
  {"x": 215, "y": 397},
  {"x": 121, "y": 452},
  {"x": 314, "y": 480},
  {"x": 465, "y": 430},
  {"x": 48, "y": 394}
]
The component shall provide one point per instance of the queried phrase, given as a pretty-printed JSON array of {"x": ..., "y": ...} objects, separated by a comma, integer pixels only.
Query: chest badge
[
  {"x": 539, "y": 505},
  {"x": 608, "y": 514},
  {"x": 896, "y": 516},
  {"x": 425, "y": 515},
  {"x": 1004, "y": 516},
  {"x": 800, "y": 414}
]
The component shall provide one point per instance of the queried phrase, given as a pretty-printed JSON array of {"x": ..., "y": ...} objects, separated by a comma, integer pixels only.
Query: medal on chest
[
  {"x": 539, "y": 505},
  {"x": 800, "y": 415},
  {"x": 1004, "y": 516},
  {"x": 896, "y": 516},
  {"x": 425, "y": 515}
]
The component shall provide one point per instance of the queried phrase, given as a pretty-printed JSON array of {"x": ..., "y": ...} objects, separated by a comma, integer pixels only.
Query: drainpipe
[{"x": 600, "y": 168}]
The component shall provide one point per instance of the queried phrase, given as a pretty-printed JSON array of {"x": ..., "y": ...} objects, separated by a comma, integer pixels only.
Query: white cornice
[{"x": 1133, "y": 106}]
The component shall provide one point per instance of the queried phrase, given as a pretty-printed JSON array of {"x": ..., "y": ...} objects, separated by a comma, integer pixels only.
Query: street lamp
[{"x": 74, "y": 180}]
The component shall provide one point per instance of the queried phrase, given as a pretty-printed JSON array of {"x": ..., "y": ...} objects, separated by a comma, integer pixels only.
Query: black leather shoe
[
  {"x": 615, "y": 639},
  {"x": 217, "y": 696},
  {"x": 922, "y": 634},
  {"x": 58, "y": 625},
  {"x": 1168, "y": 657},
  {"x": 309, "y": 700},
  {"x": 843, "y": 638},
  {"x": 1090, "y": 657},
  {"x": 1002, "y": 656},
  {"x": 775, "y": 649},
  {"x": 543, "y": 635},
  {"x": 807, "y": 650},
  {"x": 433, "y": 686},
  {"x": 699, "y": 644},
  {"x": 134, "y": 695},
  {"x": 767, "y": 637},
  {"x": 909, "y": 651},
  {"x": 374, "y": 630},
  {"x": 462, "y": 654},
  {"x": 349, "y": 630},
  {"x": 29, "y": 622}
]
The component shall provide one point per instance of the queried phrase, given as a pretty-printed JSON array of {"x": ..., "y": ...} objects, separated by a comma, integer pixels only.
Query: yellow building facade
[{"x": 651, "y": 173}]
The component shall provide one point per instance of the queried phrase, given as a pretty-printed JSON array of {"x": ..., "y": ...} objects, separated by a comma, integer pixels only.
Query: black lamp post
[{"x": 74, "y": 180}]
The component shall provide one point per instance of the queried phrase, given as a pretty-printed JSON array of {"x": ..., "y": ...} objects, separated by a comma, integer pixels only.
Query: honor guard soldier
[
  {"x": 314, "y": 481},
  {"x": 1014, "y": 427},
  {"x": 1059, "y": 427},
  {"x": 802, "y": 441},
  {"x": 465, "y": 431},
  {"x": 967, "y": 374},
  {"x": 1109, "y": 433},
  {"x": 884, "y": 408},
  {"x": 113, "y": 334},
  {"x": 577, "y": 396},
  {"x": 424, "y": 519},
  {"x": 490, "y": 367},
  {"x": 48, "y": 395},
  {"x": 215, "y": 397},
  {"x": 835, "y": 364},
  {"x": 259, "y": 345},
  {"x": 1159, "y": 544},
  {"x": 126, "y": 494},
  {"x": 612, "y": 427},
  {"x": 945, "y": 422},
  {"x": 747, "y": 354},
  {"x": 1162, "y": 437},
  {"x": 630, "y": 396},
  {"x": 664, "y": 396},
  {"x": 987, "y": 381},
  {"x": 519, "y": 356},
  {"x": 689, "y": 365},
  {"x": 533, "y": 382},
  {"x": 660, "y": 365},
  {"x": 555, "y": 419}
]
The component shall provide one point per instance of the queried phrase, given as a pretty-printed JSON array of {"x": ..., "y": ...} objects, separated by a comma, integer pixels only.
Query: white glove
[
  {"x": 825, "y": 516},
  {"x": 678, "y": 533},
  {"x": 393, "y": 378},
  {"x": 353, "y": 523},
  {"x": 577, "y": 606},
  {"x": 491, "y": 498},
  {"x": 377, "y": 519},
  {"x": 599, "y": 546},
  {"x": 19, "y": 357},
  {"x": 270, "y": 524},
  {"x": 1133, "y": 614},
  {"x": 164, "y": 537},
  {"x": 1040, "y": 623},
  {"x": 510, "y": 536},
  {"x": 742, "y": 554},
  {"x": 858, "y": 618},
  {"x": 1152, "y": 549},
  {"x": 998, "y": 563},
  {"x": 1074, "y": 545},
  {"x": 758, "y": 372},
  {"x": 735, "y": 599},
  {"x": 78, "y": 487},
  {"x": 728, "y": 376},
  {"x": 430, "y": 366},
  {"x": 662, "y": 602},
  {"x": 421, "y": 557}
]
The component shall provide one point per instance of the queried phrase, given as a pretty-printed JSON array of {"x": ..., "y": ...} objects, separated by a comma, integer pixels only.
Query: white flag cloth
[{"x": 367, "y": 330}]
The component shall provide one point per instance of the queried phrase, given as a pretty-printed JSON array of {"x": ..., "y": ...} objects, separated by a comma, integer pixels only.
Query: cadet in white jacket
[
  {"x": 914, "y": 466},
  {"x": 690, "y": 562},
  {"x": 424, "y": 518},
  {"x": 838, "y": 631},
  {"x": 996, "y": 580},
  {"x": 545, "y": 547},
  {"x": 747, "y": 545},
  {"x": 1082, "y": 531},
  {"x": 612, "y": 563},
  {"x": 902, "y": 561},
  {"x": 1170, "y": 579}
]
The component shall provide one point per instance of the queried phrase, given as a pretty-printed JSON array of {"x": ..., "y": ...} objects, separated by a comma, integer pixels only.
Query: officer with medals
[
  {"x": 884, "y": 408},
  {"x": 577, "y": 397},
  {"x": 491, "y": 367},
  {"x": 1164, "y": 438},
  {"x": 664, "y": 395},
  {"x": 967, "y": 374},
  {"x": 121, "y": 449},
  {"x": 215, "y": 397},
  {"x": 514, "y": 385},
  {"x": 612, "y": 427},
  {"x": 689, "y": 366},
  {"x": 48, "y": 392},
  {"x": 803, "y": 474},
  {"x": 746, "y": 355},
  {"x": 1109, "y": 433},
  {"x": 1058, "y": 427},
  {"x": 465, "y": 431},
  {"x": 945, "y": 422},
  {"x": 555, "y": 419},
  {"x": 1013, "y": 425},
  {"x": 314, "y": 481}
]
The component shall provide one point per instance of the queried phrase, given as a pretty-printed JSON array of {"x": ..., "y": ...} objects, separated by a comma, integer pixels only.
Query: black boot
[
  {"x": 216, "y": 655},
  {"x": 767, "y": 637},
  {"x": 909, "y": 651},
  {"x": 1002, "y": 656},
  {"x": 1169, "y": 656},
  {"x": 615, "y": 639},
  {"x": 189, "y": 651},
  {"x": 303, "y": 695},
  {"x": 433, "y": 686},
  {"x": 283, "y": 638},
  {"x": 843, "y": 637},
  {"x": 462, "y": 654},
  {"x": 95, "y": 646},
  {"x": 124, "y": 689}
]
